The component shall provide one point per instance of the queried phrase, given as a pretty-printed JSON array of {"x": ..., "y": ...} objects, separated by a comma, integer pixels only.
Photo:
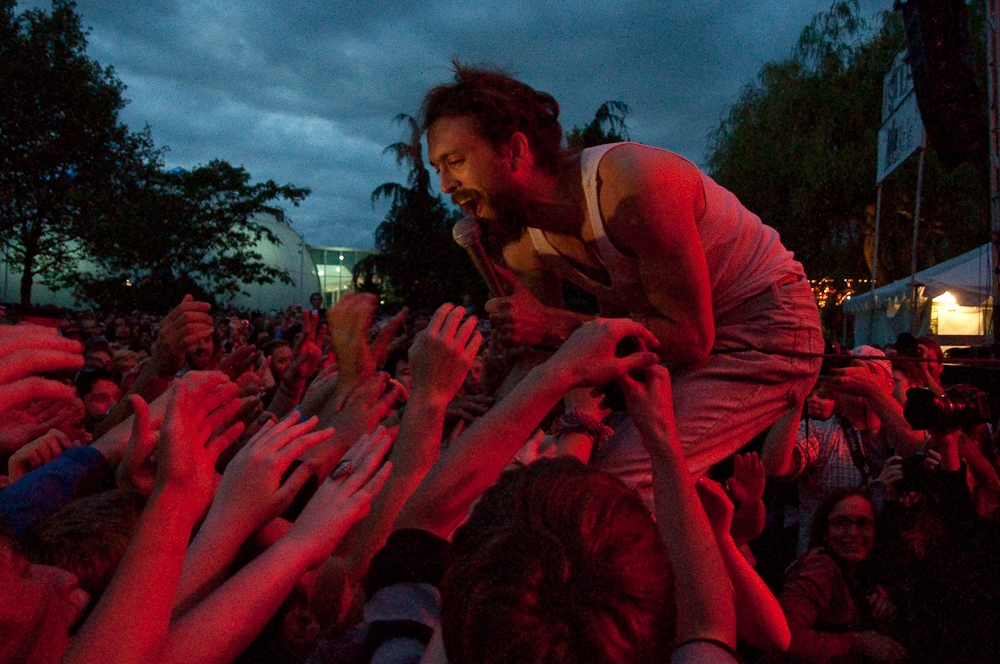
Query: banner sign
[{"x": 902, "y": 131}]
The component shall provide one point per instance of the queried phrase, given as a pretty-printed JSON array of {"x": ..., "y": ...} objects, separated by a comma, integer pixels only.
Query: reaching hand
[
  {"x": 235, "y": 364},
  {"x": 651, "y": 406},
  {"x": 41, "y": 451},
  {"x": 856, "y": 380},
  {"x": 251, "y": 382},
  {"x": 15, "y": 432},
  {"x": 185, "y": 325},
  {"x": 442, "y": 354},
  {"x": 883, "y": 610},
  {"x": 185, "y": 456},
  {"x": 468, "y": 407},
  {"x": 748, "y": 480},
  {"x": 587, "y": 400},
  {"x": 343, "y": 499},
  {"x": 588, "y": 356},
  {"x": 717, "y": 505},
  {"x": 137, "y": 471},
  {"x": 27, "y": 350},
  {"x": 519, "y": 317},
  {"x": 307, "y": 355},
  {"x": 349, "y": 321},
  {"x": 252, "y": 493},
  {"x": 358, "y": 411}
]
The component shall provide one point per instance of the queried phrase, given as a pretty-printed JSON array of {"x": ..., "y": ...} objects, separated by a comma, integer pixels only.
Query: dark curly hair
[
  {"x": 501, "y": 106},
  {"x": 558, "y": 563}
]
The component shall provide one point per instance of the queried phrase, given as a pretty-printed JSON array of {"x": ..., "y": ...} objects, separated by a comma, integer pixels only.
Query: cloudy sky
[{"x": 305, "y": 92}]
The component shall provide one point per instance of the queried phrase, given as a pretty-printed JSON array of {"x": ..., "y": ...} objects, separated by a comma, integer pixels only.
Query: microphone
[{"x": 469, "y": 236}]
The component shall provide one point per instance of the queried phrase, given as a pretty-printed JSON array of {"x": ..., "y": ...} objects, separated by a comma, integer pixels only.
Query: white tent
[{"x": 953, "y": 301}]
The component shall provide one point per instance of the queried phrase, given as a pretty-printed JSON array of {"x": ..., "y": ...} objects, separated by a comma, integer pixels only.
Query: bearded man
[{"x": 651, "y": 236}]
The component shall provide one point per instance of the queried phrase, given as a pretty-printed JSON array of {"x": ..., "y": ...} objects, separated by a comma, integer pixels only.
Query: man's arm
[{"x": 651, "y": 201}]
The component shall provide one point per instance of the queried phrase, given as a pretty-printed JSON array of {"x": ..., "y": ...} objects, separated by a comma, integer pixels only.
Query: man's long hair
[
  {"x": 558, "y": 563},
  {"x": 501, "y": 106}
]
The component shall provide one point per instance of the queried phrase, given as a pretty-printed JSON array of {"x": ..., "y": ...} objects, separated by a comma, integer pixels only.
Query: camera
[
  {"x": 961, "y": 405},
  {"x": 842, "y": 360}
]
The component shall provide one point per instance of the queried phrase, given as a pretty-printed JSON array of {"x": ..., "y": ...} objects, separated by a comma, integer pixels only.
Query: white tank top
[{"x": 744, "y": 256}]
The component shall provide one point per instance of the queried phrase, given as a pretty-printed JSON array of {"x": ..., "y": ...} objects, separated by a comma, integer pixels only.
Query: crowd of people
[
  {"x": 668, "y": 481},
  {"x": 401, "y": 489}
]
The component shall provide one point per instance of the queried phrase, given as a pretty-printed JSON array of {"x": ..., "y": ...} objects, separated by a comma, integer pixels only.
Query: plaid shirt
[{"x": 823, "y": 465}]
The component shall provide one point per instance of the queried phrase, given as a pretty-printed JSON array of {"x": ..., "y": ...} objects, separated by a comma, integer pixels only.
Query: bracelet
[{"x": 574, "y": 420}]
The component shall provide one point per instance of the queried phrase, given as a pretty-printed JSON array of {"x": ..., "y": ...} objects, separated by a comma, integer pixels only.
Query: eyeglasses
[{"x": 843, "y": 523}]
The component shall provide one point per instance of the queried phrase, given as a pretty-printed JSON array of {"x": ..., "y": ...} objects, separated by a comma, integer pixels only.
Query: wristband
[{"x": 575, "y": 421}]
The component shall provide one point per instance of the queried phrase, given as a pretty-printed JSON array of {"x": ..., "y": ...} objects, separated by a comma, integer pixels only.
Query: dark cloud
[{"x": 305, "y": 92}]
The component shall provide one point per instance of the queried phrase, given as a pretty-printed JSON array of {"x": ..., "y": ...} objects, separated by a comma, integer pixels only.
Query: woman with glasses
[{"x": 835, "y": 609}]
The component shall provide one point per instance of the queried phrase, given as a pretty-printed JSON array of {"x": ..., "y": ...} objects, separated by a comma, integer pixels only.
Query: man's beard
[{"x": 507, "y": 224}]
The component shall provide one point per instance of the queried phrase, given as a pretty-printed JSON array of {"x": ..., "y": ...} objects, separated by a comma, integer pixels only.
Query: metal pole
[
  {"x": 878, "y": 219},
  {"x": 993, "y": 59},
  {"x": 913, "y": 255}
]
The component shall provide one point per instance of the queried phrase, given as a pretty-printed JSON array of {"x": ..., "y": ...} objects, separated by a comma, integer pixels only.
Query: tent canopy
[{"x": 967, "y": 277}]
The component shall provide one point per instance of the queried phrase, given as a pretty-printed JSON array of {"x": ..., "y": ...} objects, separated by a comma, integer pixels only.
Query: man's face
[
  {"x": 101, "y": 398},
  {"x": 280, "y": 359},
  {"x": 476, "y": 176},
  {"x": 316, "y": 301},
  {"x": 38, "y": 605},
  {"x": 98, "y": 359},
  {"x": 821, "y": 402},
  {"x": 199, "y": 355}
]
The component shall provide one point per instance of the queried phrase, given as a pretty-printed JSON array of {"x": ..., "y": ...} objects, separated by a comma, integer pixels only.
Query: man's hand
[
  {"x": 60, "y": 415},
  {"x": 468, "y": 407},
  {"x": 237, "y": 363},
  {"x": 185, "y": 325},
  {"x": 349, "y": 322},
  {"x": 442, "y": 354},
  {"x": 519, "y": 317},
  {"x": 39, "y": 452},
  {"x": 651, "y": 406},
  {"x": 252, "y": 492},
  {"x": 185, "y": 455},
  {"x": 717, "y": 505},
  {"x": 358, "y": 411},
  {"x": 588, "y": 356},
  {"x": 748, "y": 480},
  {"x": 855, "y": 380},
  {"x": 137, "y": 471},
  {"x": 27, "y": 350},
  {"x": 343, "y": 499}
]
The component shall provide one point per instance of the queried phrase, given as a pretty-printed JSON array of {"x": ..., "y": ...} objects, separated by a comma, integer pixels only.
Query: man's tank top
[{"x": 744, "y": 256}]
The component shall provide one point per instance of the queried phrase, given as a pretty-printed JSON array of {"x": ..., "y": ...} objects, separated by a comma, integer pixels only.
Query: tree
[
  {"x": 62, "y": 148},
  {"x": 417, "y": 263},
  {"x": 178, "y": 231},
  {"x": 799, "y": 149},
  {"x": 610, "y": 113}
]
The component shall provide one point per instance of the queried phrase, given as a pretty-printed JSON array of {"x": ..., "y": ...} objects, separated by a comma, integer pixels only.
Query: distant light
[
  {"x": 320, "y": 273},
  {"x": 342, "y": 257},
  {"x": 128, "y": 282},
  {"x": 338, "y": 268},
  {"x": 381, "y": 301}
]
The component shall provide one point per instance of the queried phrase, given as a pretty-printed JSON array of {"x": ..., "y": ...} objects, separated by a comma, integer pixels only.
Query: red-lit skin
[
  {"x": 852, "y": 544},
  {"x": 38, "y": 605},
  {"x": 199, "y": 356},
  {"x": 402, "y": 373},
  {"x": 820, "y": 404},
  {"x": 102, "y": 397},
  {"x": 98, "y": 359},
  {"x": 649, "y": 200},
  {"x": 280, "y": 359}
]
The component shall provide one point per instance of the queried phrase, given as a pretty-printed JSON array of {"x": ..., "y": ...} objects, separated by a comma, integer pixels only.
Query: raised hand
[
  {"x": 358, "y": 411},
  {"x": 748, "y": 480},
  {"x": 186, "y": 454},
  {"x": 344, "y": 498},
  {"x": 251, "y": 382},
  {"x": 185, "y": 325},
  {"x": 27, "y": 350},
  {"x": 468, "y": 407},
  {"x": 350, "y": 321},
  {"x": 238, "y": 362},
  {"x": 442, "y": 354},
  {"x": 588, "y": 356},
  {"x": 717, "y": 505},
  {"x": 252, "y": 493},
  {"x": 137, "y": 471},
  {"x": 15, "y": 432},
  {"x": 518, "y": 317},
  {"x": 41, "y": 451}
]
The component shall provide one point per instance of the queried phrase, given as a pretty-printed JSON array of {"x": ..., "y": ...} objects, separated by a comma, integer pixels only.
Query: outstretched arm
[
  {"x": 704, "y": 592},
  {"x": 474, "y": 461}
]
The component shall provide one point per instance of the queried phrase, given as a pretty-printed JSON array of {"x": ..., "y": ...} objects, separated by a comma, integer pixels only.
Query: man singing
[{"x": 651, "y": 236}]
